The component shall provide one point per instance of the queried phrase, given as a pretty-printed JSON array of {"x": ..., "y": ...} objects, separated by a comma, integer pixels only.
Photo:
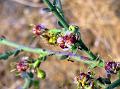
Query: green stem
[
  {"x": 114, "y": 84},
  {"x": 87, "y": 51},
  {"x": 36, "y": 84},
  {"x": 57, "y": 14},
  {"x": 27, "y": 83},
  {"x": 47, "y": 52},
  {"x": 66, "y": 25},
  {"x": 24, "y": 48}
]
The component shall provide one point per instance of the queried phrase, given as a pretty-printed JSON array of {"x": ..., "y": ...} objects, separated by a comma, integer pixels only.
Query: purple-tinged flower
[
  {"x": 84, "y": 80},
  {"x": 60, "y": 40},
  {"x": 22, "y": 65},
  {"x": 63, "y": 46},
  {"x": 66, "y": 41},
  {"x": 112, "y": 67},
  {"x": 38, "y": 29}
]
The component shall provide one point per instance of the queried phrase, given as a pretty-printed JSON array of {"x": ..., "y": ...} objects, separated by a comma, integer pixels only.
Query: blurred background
[{"x": 99, "y": 21}]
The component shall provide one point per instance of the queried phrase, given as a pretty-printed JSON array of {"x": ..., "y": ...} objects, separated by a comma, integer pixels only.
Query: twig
[
  {"x": 66, "y": 25},
  {"x": 114, "y": 84},
  {"x": 39, "y": 51},
  {"x": 57, "y": 14}
]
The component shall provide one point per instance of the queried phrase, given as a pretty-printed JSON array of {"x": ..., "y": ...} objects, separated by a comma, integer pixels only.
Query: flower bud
[
  {"x": 112, "y": 68},
  {"x": 38, "y": 29},
  {"x": 73, "y": 28},
  {"x": 85, "y": 80},
  {"x": 66, "y": 41},
  {"x": 22, "y": 65},
  {"x": 52, "y": 40},
  {"x": 60, "y": 40},
  {"x": 41, "y": 74}
]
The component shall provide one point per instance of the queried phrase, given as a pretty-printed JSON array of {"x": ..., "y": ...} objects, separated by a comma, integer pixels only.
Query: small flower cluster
[
  {"x": 65, "y": 42},
  {"x": 38, "y": 29},
  {"x": 65, "y": 39},
  {"x": 22, "y": 65},
  {"x": 112, "y": 68},
  {"x": 85, "y": 80},
  {"x": 26, "y": 65},
  {"x": 69, "y": 38}
]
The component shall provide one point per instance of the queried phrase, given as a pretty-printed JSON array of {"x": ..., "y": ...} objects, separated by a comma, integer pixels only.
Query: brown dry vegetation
[{"x": 99, "y": 21}]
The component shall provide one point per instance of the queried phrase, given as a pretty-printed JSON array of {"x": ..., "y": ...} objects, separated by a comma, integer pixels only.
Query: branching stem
[{"x": 46, "y": 52}]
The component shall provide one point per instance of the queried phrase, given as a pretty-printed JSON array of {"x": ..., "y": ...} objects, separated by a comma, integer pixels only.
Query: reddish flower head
[
  {"x": 38, "y": 29},
  {"x": 112, "y": 68},
  {"x": 22, "y": 65},
  {"x": 84, "y": 80},
  {"x": 66, "y": 41}
]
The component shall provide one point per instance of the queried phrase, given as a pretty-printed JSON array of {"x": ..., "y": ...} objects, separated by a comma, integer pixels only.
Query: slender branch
[
  {"x": 27, "y": 83},
  {"x": 28, "y": 79},
  {"x": 39, "y": 51},
  {"x": 58, "y": 5},
  {"x": 114, "y": 84},
  {"x": 87, "y": 51},
  {"x": 66, "y": 25},
  {"x": 56, "y": 13}
]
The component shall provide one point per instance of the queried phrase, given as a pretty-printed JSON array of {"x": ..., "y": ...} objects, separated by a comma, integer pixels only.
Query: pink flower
[
  {"x": 66, "y": 41},
  {"x": 38, "y": 29},
  {"x": 85, "y": 80},
  {"x": 22, "y": 65},
  {"x": 60, "y": 40}
]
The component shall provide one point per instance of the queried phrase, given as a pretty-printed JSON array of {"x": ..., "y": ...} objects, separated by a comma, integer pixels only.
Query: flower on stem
[
  {"x": 38, "y": 29},
  {"x": 65, "y": 42},
  {"x": 85, "y": 80},
  {"x": 41, "y": 74},
  {"x": 112, "y": 68},
  {"x": 73, "y": 28},
  {"x": 52, "y": 40},
  {"x": 22, "y": 65},
  {"x": 26, "y": 65}
]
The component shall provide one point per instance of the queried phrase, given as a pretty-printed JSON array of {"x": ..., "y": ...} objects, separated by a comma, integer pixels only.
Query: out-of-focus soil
[{"x": 99, "y": 21}]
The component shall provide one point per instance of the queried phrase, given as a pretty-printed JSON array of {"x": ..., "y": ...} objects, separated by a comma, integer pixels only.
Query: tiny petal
[
  {"x": 68, "y": 44},
  {"x": 63, "y": 46},
  {"x": 38, "y": 29},
  {"x": 85, "y": 80},
  {"x": 112, "y": 67},
  {"x": 22, "y": 65},
  {"x": 52, "y": 40},
  {"x": 60, "y": 40}
]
